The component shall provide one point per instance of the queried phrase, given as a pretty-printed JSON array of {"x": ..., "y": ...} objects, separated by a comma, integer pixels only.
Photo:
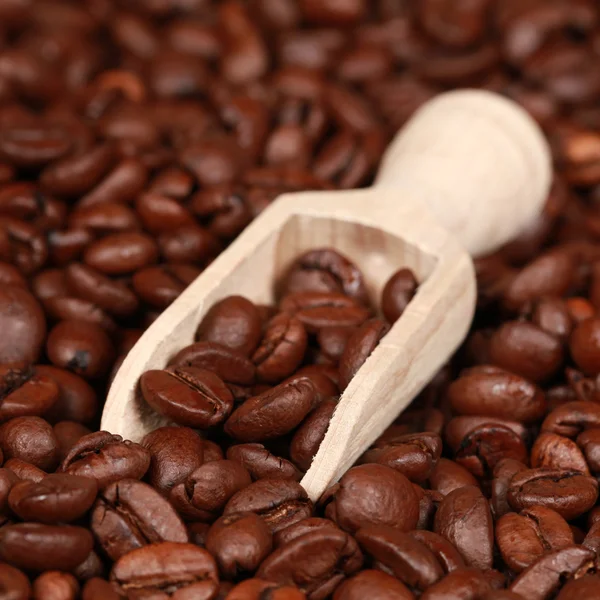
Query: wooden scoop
[{"x": 466, "y": 174}]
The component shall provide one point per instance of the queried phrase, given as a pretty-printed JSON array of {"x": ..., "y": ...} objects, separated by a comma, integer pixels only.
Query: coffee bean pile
[{"x": 137, "y": 139}]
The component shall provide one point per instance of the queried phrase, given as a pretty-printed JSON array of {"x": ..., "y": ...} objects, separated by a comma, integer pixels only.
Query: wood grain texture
[{"x": 471, "y": 161}]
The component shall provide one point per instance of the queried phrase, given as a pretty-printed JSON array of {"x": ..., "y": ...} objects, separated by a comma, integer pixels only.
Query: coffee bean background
[{"x": 137, "y": 139}]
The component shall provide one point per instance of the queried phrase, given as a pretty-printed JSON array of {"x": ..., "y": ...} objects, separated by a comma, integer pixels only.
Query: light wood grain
[{"x": 470, "y": 164}]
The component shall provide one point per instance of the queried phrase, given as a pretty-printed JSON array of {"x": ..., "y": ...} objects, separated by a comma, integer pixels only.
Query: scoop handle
[{"x": 477, "y": 160}]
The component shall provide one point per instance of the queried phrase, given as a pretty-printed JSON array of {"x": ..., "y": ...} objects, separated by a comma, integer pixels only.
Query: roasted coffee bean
[
  {"x": 372, "y": 583},
  {"x": 359, "y": 347},
  {"x": 13, "y": 583},
  {"x": 557, "y": 452},
  {"x": 546, "y": 575},
  {"x": 570, "y": 418},
  {"x": 261, "y": 464},
  {"x": 121, "y": 253},
  {"x": 584, "y": 346},
  {"x": 325, "y": 270},
  {"x": 497, "y": 393},
  {"x": 190, "y": 396},
  {"x": 24, "y": 470},
  {"x": 527, "y": 350},
  {"x": 57, "y": 498},
  {"x": 24, "y": 392},
  {"x": 525, "y": 537},
  {"x": 462, "y": 583},
  {"x": 316, "y": 562},
  {"x": 405, "y": 557},
  {"x": 255, "y": 589},
  {"x": 569, "y": 493},
  {"x": 82, "y": 347},
  {"x": 129, "y": 514},
  {"x": 106, "y": 458},
  {"x": 589, "y": 442},
  {"x": 30, "y": 439},
  {"x": 464, "y": 515},
  {"x": 447, "y": 476},
  {"x": 281, "y": 349},
  {"x": 54, "y": 585},
  {"x": 372, "y": 495},
  {"x": 273, "y": 413},
  {"x": 175, "y": 453},
  {"x": 234, "y": 322},
  {"x": 37, "y": 547},
  {"x": 23, "y": 325},
  {"x": 280, "y": 502},
  {"x": 187, "y": 569},
  {"x": 308, "y": 437},
  {"x": 397, "y": 293},
  {"x": 239, "y": 542},
  {"x": 317, "y": 310},
  {"x": 204, "y": 493},
  {"x": 413, "y": 455}
]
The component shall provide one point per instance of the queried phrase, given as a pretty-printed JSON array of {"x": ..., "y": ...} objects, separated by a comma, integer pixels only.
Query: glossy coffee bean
[
  {"x": 55, "y": 585},
  {"x": 190, "y": 396},
  {"x": 129, "y": 514},
  {"x": 239, "y": 542},
  {"x": 372, "y": 495},
  {"x": 106, "y": 458},
  {"x": 397, "y": 293},
  {"x": 14, "y": 583},
  {"x": 37, "y": 547},
  {"x": 175, "y": 453},
  {"x": 30, "y": 439},
  {"x": 57, "y": 498},
  {"x": 261, "y": 464}
]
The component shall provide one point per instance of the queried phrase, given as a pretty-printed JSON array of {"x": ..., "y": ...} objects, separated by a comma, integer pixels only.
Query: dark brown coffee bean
[
  {"x": 76, "y": 175},
  {"x": 372, "y": 495},
  {"x": 397, "y": 293},
  {"x": 570, "y": 418},
  {"x": 584, "y": 346},
  {"x": 24, "y": 392},
  {"x": 161, "y": 285},
  {"x": 230, "y": 365},
  {"x": 13, "y": 583},
  {"x": 68, "y": 433},
  {"x": 447, "y": 476},
  {"x": 57, "y": 498},
  {"x": 280, "y": 502},
  {"x": 524, "y": 538},
  {"x": 160, "y": 213},
  {"x": 464, "y": 515},
  {"x": 183, "y": 567},
  {"x": 23, "y": 324},
  {"x": 552, "y": 315},
  {"x": 24, "y": 470},
  {"x": 527, "y": 350},
  {"x": 175, "y": 453},
  {"x": 82, "y": 347},
  {"x": 115, "y": 297},
  {"x": 550, "y": 274},
  {"x": 315, "y": 562},
  {"x": 317, "y": 310},
  {"x": 545, "y": 576},
  {"x": 204, "y": 493},
  {"x": 261, "y": 464},
  {"x": 359, "y": 347},
  {"x": 372, "y": 583},
  {"x": 190, "y": 396},
  {"x": 272, "y": 413},
  {"x": 37, "y": 547},
  {"x": 497, "y": 393},
  {"x": 589, "y": 442},
  {"x": 281, "y": 350},
  {"x": 407, "y": 558},
  {"x": 30, "y": 439},
  {"x": 129, "y": 514},
  {"x": 569, "y": 493},
  {"x": 76, "y": 401},
  {"x": 54, "y": 585},
  {"x": 462, "y": 583},
  {"x": 33, "y": 146},
  {"x": 557, "y": 452},
  {"x": 121, "y": 253},
  {"x": 325, "y": 270},
  {"x": 308, "y": 437},
  {"x": 239, "y": 542},
  {"x": 254, "y": 589},
  {"x": 233, "y": 322},
  {"x": 106, "y": 458}
]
